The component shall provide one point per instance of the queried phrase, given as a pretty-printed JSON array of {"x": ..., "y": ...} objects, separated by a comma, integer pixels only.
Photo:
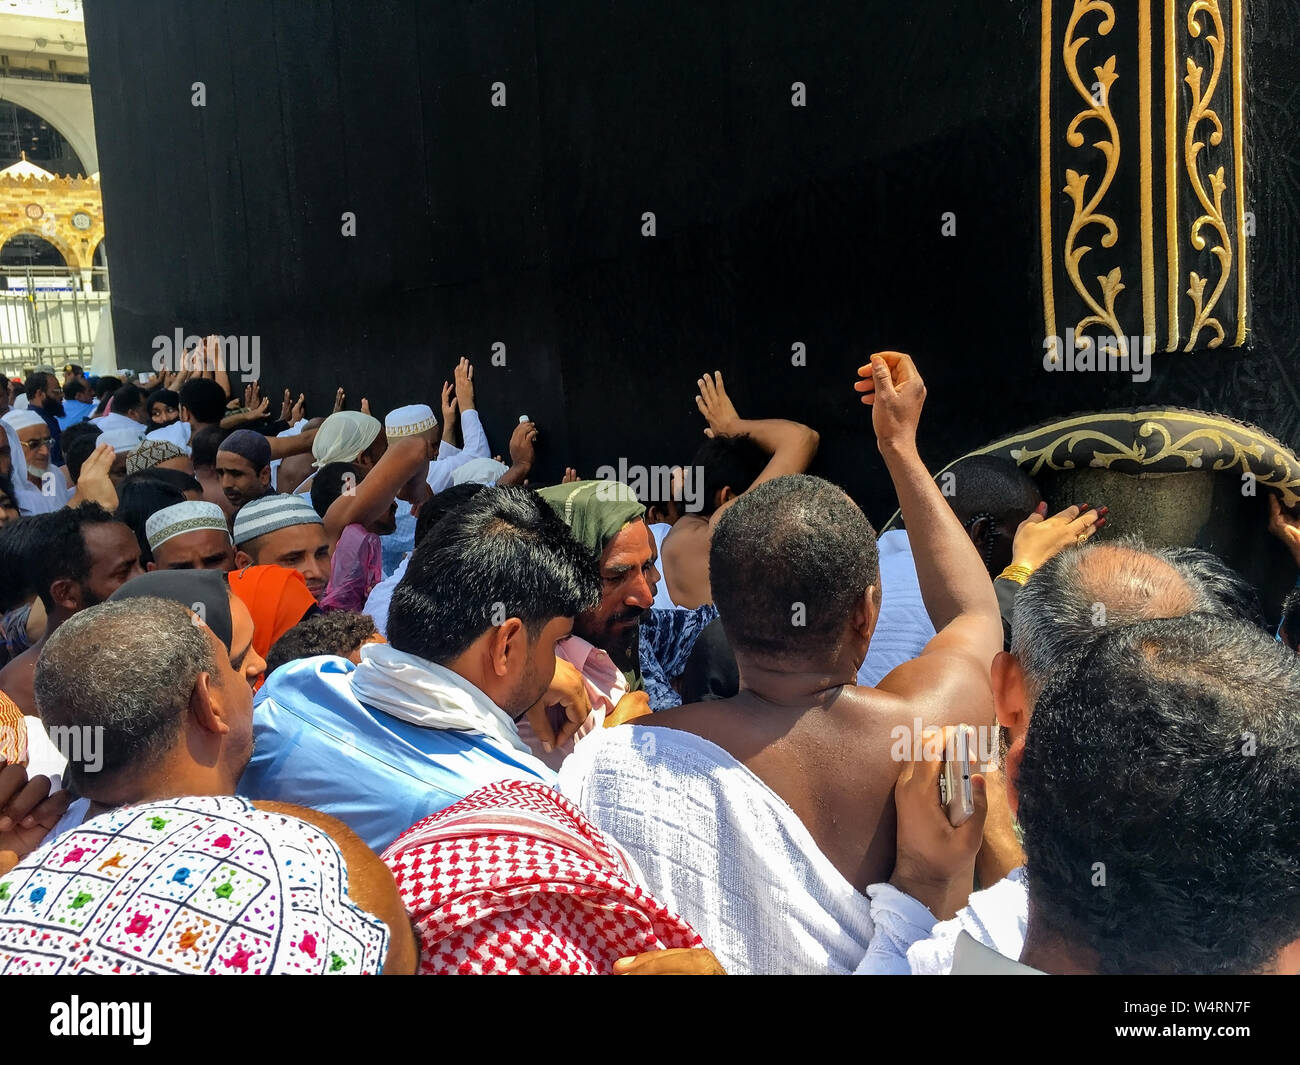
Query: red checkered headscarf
[{"x": 513, "y": 879}]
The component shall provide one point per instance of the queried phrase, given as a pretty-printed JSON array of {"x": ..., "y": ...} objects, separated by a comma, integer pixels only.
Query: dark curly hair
[{"x": 339, "y": 632}]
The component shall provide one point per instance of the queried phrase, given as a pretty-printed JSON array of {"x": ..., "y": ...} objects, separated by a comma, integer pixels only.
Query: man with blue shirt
[
  {"x": 430, "y": 716},
  {"x": 78, "y": 402}
]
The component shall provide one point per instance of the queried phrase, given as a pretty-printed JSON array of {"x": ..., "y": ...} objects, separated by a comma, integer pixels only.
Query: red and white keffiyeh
[{"x": 514, "y": 879}]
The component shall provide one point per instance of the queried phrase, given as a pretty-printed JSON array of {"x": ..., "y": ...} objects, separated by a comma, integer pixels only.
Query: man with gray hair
[
  {"x": 171, "y": 717},
  {"x": 168, "y": 713},
  {"x": 1060, "y": 612}
]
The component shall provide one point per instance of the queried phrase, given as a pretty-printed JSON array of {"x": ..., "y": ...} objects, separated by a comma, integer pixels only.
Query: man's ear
[
  {"x": 979, "y": 532},
  {"x": 67, "y": 594},
  {"x": 265, "y": 476},
  {"x": 1011, "y": 704},
  {"x": 243, "y": 559},
  {"x": 866, "y": 612},
  {"x": 1010, "y": 694},
  {"x": 508, "y": 646},
  {"x": 149, "y": 567},
  {"x": 205, "y": 705}
]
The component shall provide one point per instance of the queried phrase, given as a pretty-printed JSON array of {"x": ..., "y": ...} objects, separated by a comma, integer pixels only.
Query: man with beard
[
  {"x": 45, "y": 397},
  {"x": 430, "y": 716},
  {"x": 39, "y": 486},
  {"x": 172, "y": 713},
  {"x": 649, "y": 646},
  {"x": 87, "y": 555},
  {"x": 190, "y": 536},
  {"x": 244, "y": 467}
]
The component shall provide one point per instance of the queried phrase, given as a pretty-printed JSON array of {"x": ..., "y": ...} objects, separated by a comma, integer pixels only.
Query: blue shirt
[
  {"x": 667, "y": 639},
  {"x": 74, "y": 411},
  {"x": 315, "y": 744}
]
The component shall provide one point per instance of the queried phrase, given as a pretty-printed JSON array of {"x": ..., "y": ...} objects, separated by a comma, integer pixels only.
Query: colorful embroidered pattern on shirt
[{"x": 193, "y": 885}]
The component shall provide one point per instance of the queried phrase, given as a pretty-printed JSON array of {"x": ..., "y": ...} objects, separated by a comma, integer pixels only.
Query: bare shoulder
[
  {"x": 686, "y": 717},
  {"x": 942, "y": 688},
  {"x": 686, "y": 533},
  {"x": 723, "y": 722}
]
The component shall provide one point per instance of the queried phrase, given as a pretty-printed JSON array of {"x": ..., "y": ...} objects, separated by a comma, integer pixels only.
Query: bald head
[
  {"x": 1133, "y": 585},
  {"x": 1087, "y": 590}
]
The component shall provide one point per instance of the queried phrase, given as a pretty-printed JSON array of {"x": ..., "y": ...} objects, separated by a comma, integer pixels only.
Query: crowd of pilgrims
[{"x": 351, "y": 695}]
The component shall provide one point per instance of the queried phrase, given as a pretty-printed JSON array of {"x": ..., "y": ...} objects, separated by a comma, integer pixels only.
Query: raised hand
[
  {"x": 296, "y": 413},
  {"x": 449, "y": 407},
  {"x": 262, "y": 409},
  {"x": 716, "y": 406},
  {"x": 464, "y": 377},
  {"x": 570, "y": 475},
  {"x": 339, "y": 396},
  {"x": 891, "y": 385},
  {"x": 365, "y": 405},
  {"x": 213, "y": 356},
  {"x": 94, "y": 485},
  {"x": 523, "y": 442},
  {"x": 286, "y": 407}
]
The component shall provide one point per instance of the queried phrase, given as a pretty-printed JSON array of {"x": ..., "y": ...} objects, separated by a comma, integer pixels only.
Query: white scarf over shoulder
[{"x": 429, "y": 695}]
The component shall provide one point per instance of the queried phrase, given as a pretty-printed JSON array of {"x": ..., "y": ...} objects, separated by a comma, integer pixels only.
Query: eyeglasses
[{"x": 40, "y": 442}]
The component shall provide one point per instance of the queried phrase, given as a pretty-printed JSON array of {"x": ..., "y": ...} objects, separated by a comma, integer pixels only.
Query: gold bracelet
[{"x": 1018, "y": 572}]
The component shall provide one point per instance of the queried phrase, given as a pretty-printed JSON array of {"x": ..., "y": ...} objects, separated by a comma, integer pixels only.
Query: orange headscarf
[
  {"x": 276, "y": 597},
  {"x": 13, "y": 732}
]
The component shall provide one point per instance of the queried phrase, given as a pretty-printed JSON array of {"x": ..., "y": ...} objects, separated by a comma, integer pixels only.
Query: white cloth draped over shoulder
[
  {"x": 719, "y": 847},
  {"x": 429, "y": 695},
  {"x": 53, "y": 492}
]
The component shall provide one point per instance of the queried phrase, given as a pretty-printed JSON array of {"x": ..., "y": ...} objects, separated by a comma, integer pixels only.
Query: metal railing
[{"x": 48, "y": 316}]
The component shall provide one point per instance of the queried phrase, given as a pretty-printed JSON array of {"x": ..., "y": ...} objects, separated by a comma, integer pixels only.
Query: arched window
[
  {"x": 27, "y": 249},
  {"x": 25, "y": 131}
]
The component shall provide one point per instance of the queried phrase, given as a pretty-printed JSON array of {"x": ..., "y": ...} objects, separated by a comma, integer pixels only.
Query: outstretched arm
[
  {"x": 791, "y": 445},
  {"x": 284, "y": 446},
  {"x": 404, "y": 460},
  {"x": 954, "y": 584}
]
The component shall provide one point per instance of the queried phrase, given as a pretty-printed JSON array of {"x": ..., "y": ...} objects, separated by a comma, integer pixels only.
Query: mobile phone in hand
[{"x": 955, "y": 788}]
